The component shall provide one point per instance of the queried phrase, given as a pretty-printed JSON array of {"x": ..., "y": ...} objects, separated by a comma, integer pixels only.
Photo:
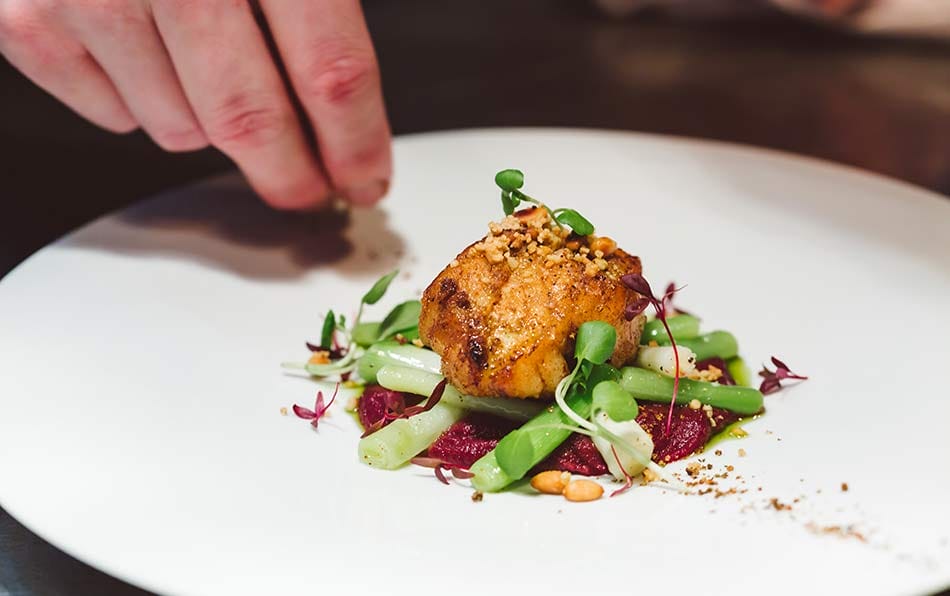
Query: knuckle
[
  {"x": 242, "y": 122},
  {"x": 337, "y": 76},
  {"x": 111, "y": 15}
]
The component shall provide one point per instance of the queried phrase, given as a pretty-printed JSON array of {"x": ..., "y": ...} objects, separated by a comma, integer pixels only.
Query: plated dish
[
  {"x": 140, "y": 389},
  {"x": 529, "y": 355}
]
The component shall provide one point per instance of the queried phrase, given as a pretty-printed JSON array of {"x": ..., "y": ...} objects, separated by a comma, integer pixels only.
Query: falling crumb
[
  {"x": 778, "y": 505},
  {"x": 477, "y": 496},
  {"x": 844, "y": 487},
  {"x": 840, "y": 531},
  {"x": 283, "y": 411},
  {"x": 742, "y": 453}
]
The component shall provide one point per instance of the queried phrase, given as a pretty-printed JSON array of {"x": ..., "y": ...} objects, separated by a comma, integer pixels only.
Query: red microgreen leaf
[
  {"x": 305, "y": 413},
  {"x": 319, "y": 408},
  {"x": 628, "y": 480},
  {"x": 439, "y": 467},
  {"x": 772, "y": 379},
  {"x": 668, "y": 305},
  {"x": 640, "y": 285}
]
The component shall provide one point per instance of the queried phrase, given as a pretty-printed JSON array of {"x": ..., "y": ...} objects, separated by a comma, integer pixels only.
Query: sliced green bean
[
  {"x": 739, "y": 371},
  {"x": 681, "y": 326},
  {"x": 545, "y": 435},
  {"x": 396, "y": 443},
  {"x": 394, "y": 353},
  {"x": 721, "y": 344},
  {"x": 652, "y": 386},
  {"x": 420, "y": 382}
]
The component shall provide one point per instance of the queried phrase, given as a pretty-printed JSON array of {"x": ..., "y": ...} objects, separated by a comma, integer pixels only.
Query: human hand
[{"x": 198, "y": 72}]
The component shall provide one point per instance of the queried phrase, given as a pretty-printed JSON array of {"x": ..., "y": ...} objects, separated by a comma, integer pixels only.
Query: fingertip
[
  {"x": 178, "y": 142},
  {"x": 309, "y": 197},
  {"x": 367, "y": 195}
]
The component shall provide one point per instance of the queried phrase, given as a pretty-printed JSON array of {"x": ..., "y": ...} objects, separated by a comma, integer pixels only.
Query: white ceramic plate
[{"x": 140, "y": 389}]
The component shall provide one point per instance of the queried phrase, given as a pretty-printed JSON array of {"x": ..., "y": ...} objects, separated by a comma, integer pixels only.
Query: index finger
[{"x": 330, "y": 60}]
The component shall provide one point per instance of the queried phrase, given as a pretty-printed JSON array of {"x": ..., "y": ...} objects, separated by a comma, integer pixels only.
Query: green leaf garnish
[
  {"x": 365, "y": 334},
  {"x": 595, "y": 342},
  {"x": 403, "y": 317},
  {"x": 515, "y": 454},
  {"x": 575, "y": 220},
  {"x": 619, "y": 404},
  {"x": 379, "y": 288},
  {"x": 509, "y": 180},
  {"x": 329, "y": 326}
]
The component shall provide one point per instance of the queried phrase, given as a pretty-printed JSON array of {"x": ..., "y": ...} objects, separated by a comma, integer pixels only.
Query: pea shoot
[
  {"x": 609, "y": 419},
  {"x": 404, "y": 318},
  {"x": 510, "y": 182}
]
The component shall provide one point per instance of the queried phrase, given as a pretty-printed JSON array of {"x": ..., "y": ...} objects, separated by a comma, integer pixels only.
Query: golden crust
[{"x": 505, "y": 325}]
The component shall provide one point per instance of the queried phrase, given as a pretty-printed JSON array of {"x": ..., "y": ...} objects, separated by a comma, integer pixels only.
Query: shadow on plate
[{"x": 222, "y": 224}]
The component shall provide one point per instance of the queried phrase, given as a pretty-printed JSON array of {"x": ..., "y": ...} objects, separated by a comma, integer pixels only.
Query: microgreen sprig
[
  {"x": 594, "y": 345},
  {"x": 640, "y": 285},
  {"x": 772, "y": 379},
  {"x": 343, "y": 357},
  {"x": 510, "y": 182},
  {"x": 319, "y": 410}
]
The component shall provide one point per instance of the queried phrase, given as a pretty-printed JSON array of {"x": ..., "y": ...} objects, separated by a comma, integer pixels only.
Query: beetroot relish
[
  {"x": 466, "y": 441},
  {"x": 469, "y": 439},
  {"x": 577, "y": 455},
  {"x": 372, "y": 405},
  {"x": 690, "y": 430}
]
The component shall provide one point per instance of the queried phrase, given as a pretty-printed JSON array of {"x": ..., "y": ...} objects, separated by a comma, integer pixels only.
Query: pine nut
[
  {"x": 551, "y": 482},
  {"x": 583, "y": 490}
]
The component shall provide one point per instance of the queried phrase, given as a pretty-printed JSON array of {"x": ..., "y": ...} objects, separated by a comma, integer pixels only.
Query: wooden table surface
[{"x": 883, "y": 105}]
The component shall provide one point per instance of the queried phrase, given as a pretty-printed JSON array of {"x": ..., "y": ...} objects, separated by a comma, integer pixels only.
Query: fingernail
[{"x": 368, "y": 194}]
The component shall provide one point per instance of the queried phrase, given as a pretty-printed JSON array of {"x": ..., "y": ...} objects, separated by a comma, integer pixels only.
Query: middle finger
[{"x": 239, "y": 98}]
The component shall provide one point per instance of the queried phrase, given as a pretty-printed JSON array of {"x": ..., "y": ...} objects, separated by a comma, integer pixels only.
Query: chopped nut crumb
[
  {"x": 477, "y": 496},
  {"x": 742, "y": 453},
  {"x": 738, "y": 432},
  {"x": 778, "y": 505},
  {"x": 844, "y": 487},
  {"x": 654, "y": 344},
  {"x": 319, "y": 357},
  {"x": 649, "y": 476},
  {"x": 695, "y": 404},
  {"x": 283, "y": 411},
  {"x": 693, "y": 469},
  {"x": 840, "y": 531},
  {"x": 718, "y": 452},
  {"x": 418, "y": 343}
]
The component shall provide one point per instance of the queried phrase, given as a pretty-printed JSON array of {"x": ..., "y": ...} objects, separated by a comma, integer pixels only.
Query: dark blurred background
[{"x": 761, "y": 78}]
